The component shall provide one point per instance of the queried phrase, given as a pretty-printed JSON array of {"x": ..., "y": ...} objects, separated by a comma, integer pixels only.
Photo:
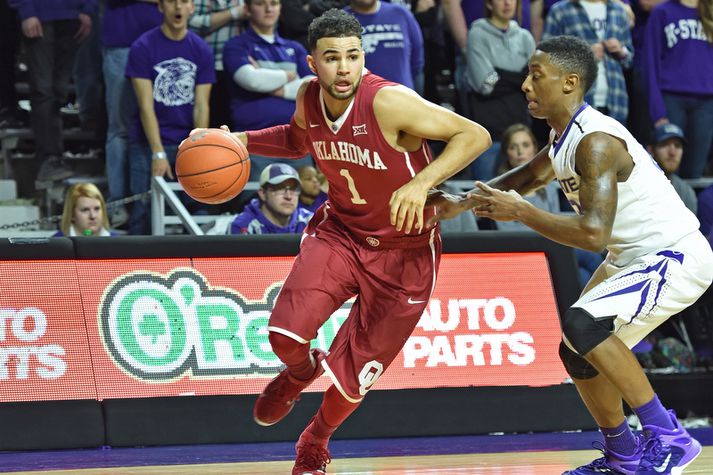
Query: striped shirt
[
  {"x": 567, "y": 17},
  {"x": 200, "y": 23}
]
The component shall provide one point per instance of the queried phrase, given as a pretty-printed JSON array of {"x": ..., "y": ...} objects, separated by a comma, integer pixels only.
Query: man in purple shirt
[
  {"x": 392, "y": 40},
  {"x": 678, "y": 65},
  {"x": 171, "y": 70},
  {"x": 275, "y": 211}
]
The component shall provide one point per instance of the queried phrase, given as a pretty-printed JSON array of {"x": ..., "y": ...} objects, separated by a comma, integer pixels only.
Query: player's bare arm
[
  {"x": 405, "y": 119},
  {"x": 524, "y": 179},
  {"x": 598, "y": 161}
]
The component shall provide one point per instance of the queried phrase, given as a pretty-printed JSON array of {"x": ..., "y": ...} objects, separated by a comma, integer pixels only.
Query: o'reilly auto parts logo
[{"x": 159, "y": 328}]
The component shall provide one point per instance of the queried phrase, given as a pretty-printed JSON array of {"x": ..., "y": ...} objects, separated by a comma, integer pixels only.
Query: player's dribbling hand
[
  {"x": 496, "y": 204},
  {"x": 407, "y": 207}
]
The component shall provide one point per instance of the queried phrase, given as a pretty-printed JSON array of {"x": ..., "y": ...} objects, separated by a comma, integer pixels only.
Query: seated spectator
[
  {"x": 312, "y": 195},
  {"x": 667, "y": 150},
  {"x": 84, "y": 212},
  {"x": 275, "y": 210},
  {"x": 496, "y": 54},
  {"x": 520, "y": 146},
  {"x": 266, "y": 72}
]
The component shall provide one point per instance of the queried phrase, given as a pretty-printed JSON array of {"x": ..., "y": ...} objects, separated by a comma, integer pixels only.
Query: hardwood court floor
[{"x": 511, "y": 463}]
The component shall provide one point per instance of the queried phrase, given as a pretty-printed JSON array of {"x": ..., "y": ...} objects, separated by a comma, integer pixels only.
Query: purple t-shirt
[
  {"x": 175, "y": 68},
  {"x": 678, "y": 56},
  {"x": 393, "y": 43},
  {"x": 126, "y": 20}
]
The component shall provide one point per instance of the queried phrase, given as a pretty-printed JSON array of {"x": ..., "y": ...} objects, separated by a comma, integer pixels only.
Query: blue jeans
[
  {"x": 695, "y": 116},
  {"x": 258, "y": 163},
  {"x": 88, "y": 73},
  {"x": 121, "y": 109},
  {"x": 140, "y": 182}
]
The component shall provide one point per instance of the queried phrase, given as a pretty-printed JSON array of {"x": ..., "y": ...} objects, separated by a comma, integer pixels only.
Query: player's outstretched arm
[
  {"x": 282, "y": 141},
  {"x": 405, "y": 118},
  {"x": 596, "y": 161}
]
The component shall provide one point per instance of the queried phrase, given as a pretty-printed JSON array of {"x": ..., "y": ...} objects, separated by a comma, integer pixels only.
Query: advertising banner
[
  {"x": 170, "y": 327},
  {"x": 44, "y": 354}
]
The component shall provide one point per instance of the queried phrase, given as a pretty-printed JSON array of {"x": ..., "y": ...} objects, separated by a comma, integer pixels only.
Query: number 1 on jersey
[{"x": 356, "y": 198}]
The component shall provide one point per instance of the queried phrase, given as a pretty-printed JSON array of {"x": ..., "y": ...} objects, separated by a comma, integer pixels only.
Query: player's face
[
  {"x": 310, "y": 182},
  {"x": 521, "y": 149},
  {"x": 281, "y": 200},
  {"x": 338, "y": 63},
  {"x": 264, "y": 15},
  {"x": 543, "y": 86},
  {"x": 668, "y": 154},
  {"x": 87, "y": 215},
  {"x": 176, "y": 13}
]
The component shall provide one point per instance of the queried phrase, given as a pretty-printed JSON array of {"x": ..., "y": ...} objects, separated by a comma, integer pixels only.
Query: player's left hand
[
  {"x": 407, "y": 206},
  {"x": 496, "y": 204}
]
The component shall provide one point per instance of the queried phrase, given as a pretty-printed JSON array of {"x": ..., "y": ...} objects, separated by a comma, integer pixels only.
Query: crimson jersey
[{"x": 363, "y": 170}]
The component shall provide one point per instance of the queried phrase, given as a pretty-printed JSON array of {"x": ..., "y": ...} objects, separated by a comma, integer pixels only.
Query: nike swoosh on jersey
[
  {"x": 313, "y": 125},
  {"x": 662, "y": 468},
  {"x": 414, "y": 302}
]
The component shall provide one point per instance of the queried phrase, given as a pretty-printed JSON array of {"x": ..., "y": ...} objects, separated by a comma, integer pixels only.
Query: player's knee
[
  {"x": 576, "y": 366},
  {"x": 585, "y": 332},
  {"x": 284, "y": 346}
]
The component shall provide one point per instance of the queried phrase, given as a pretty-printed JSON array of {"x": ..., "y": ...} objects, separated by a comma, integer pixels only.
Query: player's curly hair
[
  {"x": 333, "y": 23},
  {"x": 572, "y": 55}
]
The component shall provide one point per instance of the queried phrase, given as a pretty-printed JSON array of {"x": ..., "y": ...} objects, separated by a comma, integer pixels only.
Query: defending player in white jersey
[{"x": 657, "y": 265}]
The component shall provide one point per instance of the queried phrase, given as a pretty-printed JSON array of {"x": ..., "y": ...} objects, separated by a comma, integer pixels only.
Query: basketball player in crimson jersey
[
  {"x": 368, "y": 136},
  {"x": 658, "y": 262}
]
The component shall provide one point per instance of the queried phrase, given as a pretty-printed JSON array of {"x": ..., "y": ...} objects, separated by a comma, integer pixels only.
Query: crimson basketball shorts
[{"x": 392, "y": 288}]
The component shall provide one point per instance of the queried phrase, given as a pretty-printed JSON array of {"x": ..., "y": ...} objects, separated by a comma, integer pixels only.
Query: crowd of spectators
[{"x": 168, "y": 66}]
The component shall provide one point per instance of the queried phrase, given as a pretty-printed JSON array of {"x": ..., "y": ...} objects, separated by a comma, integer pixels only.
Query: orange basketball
[{"x": 212, "y": 166}]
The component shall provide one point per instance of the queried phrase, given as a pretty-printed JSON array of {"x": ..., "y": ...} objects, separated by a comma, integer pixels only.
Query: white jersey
[{"x": 649, "y": 213}]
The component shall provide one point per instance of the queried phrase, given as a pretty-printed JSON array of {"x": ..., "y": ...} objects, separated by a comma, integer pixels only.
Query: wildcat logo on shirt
[
  {"x": 175, "y": 83},
  {"x": 348, "y": 152}
]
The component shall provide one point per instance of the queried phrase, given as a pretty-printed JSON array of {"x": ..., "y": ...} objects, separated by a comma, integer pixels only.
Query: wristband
[{"x": 158, "y": 156}]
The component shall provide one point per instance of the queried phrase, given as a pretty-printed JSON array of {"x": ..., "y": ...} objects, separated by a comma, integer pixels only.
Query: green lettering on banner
[
  {"x": 210, "y": 335},
  {"x": 140, "y": 340}
]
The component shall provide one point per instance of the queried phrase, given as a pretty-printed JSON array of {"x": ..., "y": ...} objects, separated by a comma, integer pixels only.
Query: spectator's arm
[
  {"x": 291, "y": 89},
  {"x": 553, "y": 24},
  {"x": 416, "y": 38},
  {"x": 481, "y": 74},
  {"x": 456, "y": 22},
  {"x": 260, "y": 79},
  {"x": 201, "y": 107},
  {"x": 143, "y": 88},
  {"x": 537, "y": 22},
  {"x": 653, "y": 51}
]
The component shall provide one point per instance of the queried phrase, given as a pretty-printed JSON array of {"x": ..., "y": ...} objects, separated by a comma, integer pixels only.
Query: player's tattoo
[{"x": 596, "y": 163}]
